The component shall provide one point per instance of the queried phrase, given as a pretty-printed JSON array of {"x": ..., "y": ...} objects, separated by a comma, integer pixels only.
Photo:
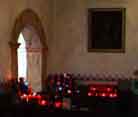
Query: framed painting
[{"x": 106, "y": 30}]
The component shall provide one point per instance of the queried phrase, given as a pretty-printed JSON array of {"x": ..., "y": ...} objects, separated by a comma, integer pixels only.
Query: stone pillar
[
  {"x": 34, "y": 69},
  {"x": 14, "y": 62},
  {"x": 44, "y": 66}
]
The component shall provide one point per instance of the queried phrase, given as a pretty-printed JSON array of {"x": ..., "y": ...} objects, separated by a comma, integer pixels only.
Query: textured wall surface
[
  {"x": 68, "y": 47},
  {"x": 65, "y": 26}
]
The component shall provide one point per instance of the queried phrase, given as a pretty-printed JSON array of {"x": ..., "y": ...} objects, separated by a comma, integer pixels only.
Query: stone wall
[{"x": 68, "y": 47}]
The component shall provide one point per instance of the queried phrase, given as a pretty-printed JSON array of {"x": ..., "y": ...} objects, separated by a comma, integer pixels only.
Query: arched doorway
[{"x": 28, "y": 18}]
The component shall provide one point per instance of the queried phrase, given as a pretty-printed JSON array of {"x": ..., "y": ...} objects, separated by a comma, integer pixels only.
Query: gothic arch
[{"x": 27, "y": 18}]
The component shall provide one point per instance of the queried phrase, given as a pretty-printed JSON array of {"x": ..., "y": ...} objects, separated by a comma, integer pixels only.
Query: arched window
[{"x": 22, "y": 57}]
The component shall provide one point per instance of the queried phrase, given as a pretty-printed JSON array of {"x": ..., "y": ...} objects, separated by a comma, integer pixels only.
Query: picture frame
[{"x": 106, "y": 30}]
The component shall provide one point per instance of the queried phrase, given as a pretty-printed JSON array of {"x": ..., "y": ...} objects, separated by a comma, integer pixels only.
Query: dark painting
[{"x": 106, "y": 29}]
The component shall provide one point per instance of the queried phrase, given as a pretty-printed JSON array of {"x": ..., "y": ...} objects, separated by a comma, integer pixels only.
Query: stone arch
[{"x": 27, "y": 18}]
